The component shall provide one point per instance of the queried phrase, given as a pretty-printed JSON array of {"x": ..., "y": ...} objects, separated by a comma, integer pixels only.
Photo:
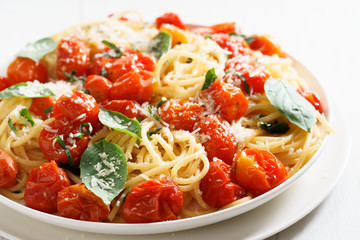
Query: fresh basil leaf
[
  {"x": 118, "y": 52},
  {"x": 153, "y": 110},
  {"x": 208, "y": 37},
  {"x": 67, "y": 151},
  {"x": 274, "y": 127},
  {"x": 290, "y": 103},
  {"x": 154, "y": 132},
  {"x": 48, "y": 110},
  {"x": 36, "y": 50},
  {"x": 248, "y": 39},
  {"x": 26, "y": 117},
  {"x": 120, "y": 122},
  {"x": 103, "y": 169},
  {"x": 72, "y": 78},
  {"x": 243, "y": 79},
  {"x": 73, "y": 169},
  {"x": 12, "y": 127},
  {"x": 26, "y": 90},
  {"x": 160, "y": 44},
  {"x": 81, "y": 129},
  {"x": 103, "y": 73},
  {"x": 210, "y": 78}
]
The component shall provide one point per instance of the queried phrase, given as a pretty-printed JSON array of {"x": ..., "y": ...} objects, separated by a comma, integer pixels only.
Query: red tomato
[
  {"x": 258, "y": 170},
  {"x": 234, "y": 45},
  {"x": 43, "y": 185},
  {"x": 72, "y": 55},
  {"x": 254, "y": 73},
  {"x": 99, "y": 87},
  {"x": 231, "y": 27},
  {"x": 217, "y": 188},
  {"x": 4, "y": 83},
  {"x": 126, "y": 107},
  {"x": 153, "y": 201},
  {"x": 230, "y": 100},
  {"x": 137, "y": 85},
  {"x": 312, "y": 97},
  {"x": 170, "y": 18},
  {"x": 266, "y": 45},
  {"x": 77, "y": 109},
  {"x": 217, "y": 139},
  {"x": 77, "y": 202},
  {"x": 26, "y": 70},
  {"x": 8, "y": 170},
  {"x": 53, "y": 151},
  {"x": 182, "y": 114},
  {"x": 102, "y": 63},
  {"x": 38, "y": 105}
]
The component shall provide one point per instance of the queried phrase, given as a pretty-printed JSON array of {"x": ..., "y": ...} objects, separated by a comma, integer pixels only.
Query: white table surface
[{"x": 324, "y": 35}]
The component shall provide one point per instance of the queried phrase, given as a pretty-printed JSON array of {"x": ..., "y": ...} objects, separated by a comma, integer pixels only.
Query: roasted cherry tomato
[
  {"x": 72, "y": 55},
  {"x": 70, "y": 136},
  {"x": 182, "y": 114},
  {"x": 254, "y": 73},
  {"x": 77, "y": 109},
  {"x": 216, "y": 138},
  {"x": 8, "y": 170},
  {"x": 170, "y": 18},
  {"x": 258, "y": 170},
  {"x": 4, "y": 83},
  {"x": 312, "y": 97},
  {"x": 234, "y": 45},
  {"x": 153, "y": 201},
  {"x": 102, "y": 64},
  {"x": 43, "y": 185},
  {"x": 231, "y": 27},
  {"x": 217, "y": 188},
  {"x": 77, "y": 202},
  {"x": 39, "y": 105},
  {"x": 99, "y": 87},
  {"x": 26, "y": 70},
  {"x": 266, "y": 45},
  {"x": 126, "y": 107},
  {"x": 229, "y": 100},
  {"x": 138, "y": 85}
]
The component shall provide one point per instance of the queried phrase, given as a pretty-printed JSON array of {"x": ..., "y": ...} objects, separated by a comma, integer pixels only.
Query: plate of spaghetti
[{"x": 129, "y": 127}]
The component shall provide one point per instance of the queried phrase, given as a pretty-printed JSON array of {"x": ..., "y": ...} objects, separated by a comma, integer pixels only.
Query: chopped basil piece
[
  {"x": 48, "y": 110},
  {"x": 210, "y": 78},
  {"x": 36, "y": 50},
  {"x": 248, "y": 39},
  {"x": 104, "y": 73},
  {"x": 12, "y": 127},
  {"x": 160, "y": 44},
  {"x": 118, "y": 52},
  {"x": 208, "y": 37},
  {"x": 243, "y": 79},
  {"x": 67, "y": 151},
  {"x": 81, "y": 129},
  {"x": 26, "y": 90},
  {"x": 154, "y": 132},
  {"x": 26, "y": 117},
  {"x": 72, "y": 78},
  {"x": 153, "y": 110},
  {"x": 274, "y": 127},
  {"x": 73, "y": 169}
]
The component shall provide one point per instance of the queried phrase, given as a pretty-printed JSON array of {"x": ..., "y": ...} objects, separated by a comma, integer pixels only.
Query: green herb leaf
[
  {"x": 67, "y": 151},
  {"x": 274, "y": 127},
  {"x": 154, "y": 132},
  {"x": 103, "y": 73},
  {"x": 153, "y": 110},
  {"x": 257, "y": 117},
  {"x": 81, "y": 129},
  {"x": 290, "y": 103},
  {"x": 160, "y": 44},
  {"x": 73, "y": 169},
  {"x": 26, "y": 90},
  {"x": 72, "y": 78},
  {"x": 208, "y": 37},
  {"x": 210, "y": 78},
  {"x": 26, "y": 117},
  {"x": 12, "y": 127},
  {"x": 48, "y": 110},
  {"x": 120, "y": 122},
  {"x": 118, "y": 52},
  {"x": 103, "y": 169},
  {"x": 243, "y": 79},
  {"x": 36, "y": 50},
  {"x": 248, "y": 39}
]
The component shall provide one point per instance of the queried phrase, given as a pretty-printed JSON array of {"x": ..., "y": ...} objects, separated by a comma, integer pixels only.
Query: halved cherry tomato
[
  {"x": 43, "y": 185},
  {"x": 77, "y": 109},
  {"x": 8, "y": 170},
  {"x": 77, "y": 202},
  {"x": 254, "y": 73},
  {"x": 312, "y": 97},
  {"x": 4, "y": 83},
  {"x": 72, "y": 55},
  {"x": 102, "y": 63},
  {"x": 138, "y": 85},
  {"x": 258, "y": 170},
  {"x": 182, "y": 114},
  {"x": 153, "y": 201},
  {"x": 170, "y": 18},
  {"x": 229, "y": 100},
  {"x": 70, "y": 136},
  {"x": 234, "y": 45},
  {"x": 99, "y": 87},
  {"x": 38, "y": 105},
  {"x": 126, "y": 107},
  {"x": 231, "y": 27},
  {"x": 266, "y": 45},
  {"x": 217, "y": 138},
  {"x": 217, "y": 188},
  {"x": 26, "y": 70}
]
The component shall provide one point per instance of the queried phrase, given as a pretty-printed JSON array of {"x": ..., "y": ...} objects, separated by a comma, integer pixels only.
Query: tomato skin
[
  {"x": 138, "y": 85},
  {"x": 266, "y": 45},
  {"x": 217, "y": 188},
  {"x": 230, "y": 100},
  {"x": 170, "y": 18},
  {"x": 312, "y": 97},
  {"x": 53, "y": 151},
  {"x": 99, "y": 87},
  {"x": 182, "y": 114},
  {"x": 72, "y": 55},
  {"x": 217, "y": 139},
  {"x": 26, "y": 70},
  {"x": 258, "y": 170},
  {"x": 126, "y": 107},
  {"x": 77, "y": 202},
  {"x": 153, "y": 201},
  {"x": 68, "y": 109},
  {"x": 231, "y": 27},
  {"x": 101, "y": 63},
  {"x": 43, "y": 185},
  {"x": 8, "y": 170},
  {"x": 38, "y": 105},
  {"x": 235, "y": 45},
  {"x": 4, "y": 83}
]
